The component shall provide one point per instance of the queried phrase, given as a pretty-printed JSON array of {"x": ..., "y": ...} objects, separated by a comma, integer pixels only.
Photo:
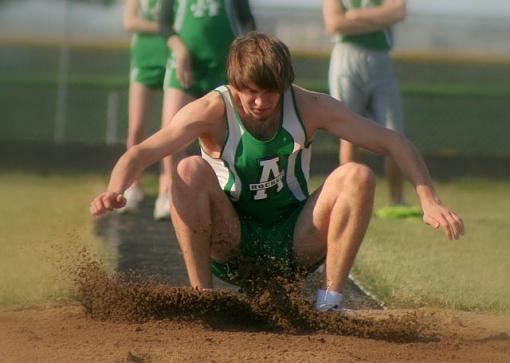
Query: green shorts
[
  {"x": 205, "y": 79},
  {"x": 152, "y": 76},
  {"x": 263, "y": 246}
]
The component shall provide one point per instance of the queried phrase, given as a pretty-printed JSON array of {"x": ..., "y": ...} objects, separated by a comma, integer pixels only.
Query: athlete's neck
[{"x": 261, "y": 127}]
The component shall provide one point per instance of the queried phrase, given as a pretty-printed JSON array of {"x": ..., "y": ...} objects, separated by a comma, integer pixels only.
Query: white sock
[{"x": 328, "y": 297}]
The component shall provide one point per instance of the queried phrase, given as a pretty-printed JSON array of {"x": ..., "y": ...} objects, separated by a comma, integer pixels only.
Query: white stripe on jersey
[{"x": 293, "y": 126}]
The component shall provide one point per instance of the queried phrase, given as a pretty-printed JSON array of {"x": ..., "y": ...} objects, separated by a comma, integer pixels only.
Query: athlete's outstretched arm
[
  {"x": 191, "y": 122},
  {"x": 321, "y": 111}
]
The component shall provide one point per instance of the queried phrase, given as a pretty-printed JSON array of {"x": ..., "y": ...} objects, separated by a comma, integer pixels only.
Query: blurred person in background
[
  {"x": 198, "y": 34},
  {"x": 149, "y": 54},
  {"x": 361, "y": 72}
]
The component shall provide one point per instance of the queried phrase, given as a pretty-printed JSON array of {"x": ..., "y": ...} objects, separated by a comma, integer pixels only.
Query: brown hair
[{"x": 259, "y": 59}]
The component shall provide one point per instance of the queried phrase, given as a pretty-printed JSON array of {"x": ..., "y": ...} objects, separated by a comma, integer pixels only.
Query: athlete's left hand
[{"x": 436, "y": 215}]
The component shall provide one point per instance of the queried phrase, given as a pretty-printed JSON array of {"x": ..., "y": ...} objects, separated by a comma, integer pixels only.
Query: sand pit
[{"x": 131, "y": 317}]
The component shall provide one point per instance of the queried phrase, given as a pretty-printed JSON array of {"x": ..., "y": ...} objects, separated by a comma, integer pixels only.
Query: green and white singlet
[
  {"x": 149, "y": 52},
  {"x": 379, "y": 40},
  {"x": 266, "y": 180}
]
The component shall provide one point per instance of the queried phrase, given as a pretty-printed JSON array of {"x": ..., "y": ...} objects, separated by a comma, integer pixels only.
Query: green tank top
[
  {"x": 149, "y": 49},
  {"x": 207, "y": 27},
  {"x": 379, "y": 40},
  {"x": 264, "y": 179}
]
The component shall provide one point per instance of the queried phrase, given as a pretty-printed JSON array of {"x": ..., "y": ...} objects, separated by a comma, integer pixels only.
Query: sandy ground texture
[
  {"x": 144, "y": 313},
  {"x": 67, "y": 333}
]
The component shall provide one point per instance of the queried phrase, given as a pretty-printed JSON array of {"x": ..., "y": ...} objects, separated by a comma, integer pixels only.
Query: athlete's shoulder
[
  {"x": 316, "y": 108},
  {"x": 212, "y": 102},
  {"x": 208, "y": 108},
  {"x": 310, "y": 101}
]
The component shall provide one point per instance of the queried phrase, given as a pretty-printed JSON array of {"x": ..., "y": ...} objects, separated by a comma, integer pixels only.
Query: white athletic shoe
[
  {"x": 324, "y": 307},
  {"x": 328, "y": 301},
  {"x": 134, "y": 195},
  {"x": 162, "y": 208}
]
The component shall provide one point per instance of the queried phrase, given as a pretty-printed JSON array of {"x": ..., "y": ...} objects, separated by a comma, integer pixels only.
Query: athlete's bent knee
[
  {"x": 358, "y": 176},
  {"x": 193, "y": 169}
]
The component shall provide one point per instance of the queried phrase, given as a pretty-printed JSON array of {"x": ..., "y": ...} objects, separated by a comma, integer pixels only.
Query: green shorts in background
[
  {"x": 150, "y": 76},
  {"x": 205, "y": 79},
  {"x": 262, "y": 244}
]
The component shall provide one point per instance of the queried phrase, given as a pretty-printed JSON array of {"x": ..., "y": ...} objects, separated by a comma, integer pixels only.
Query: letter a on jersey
[{"x": 269, "y": 168}]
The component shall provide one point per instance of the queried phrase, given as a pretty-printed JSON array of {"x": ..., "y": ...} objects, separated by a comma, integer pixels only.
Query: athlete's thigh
[
  {"x": 309, "y": 243},
  {"x": 226, "y": 228},
  {"x": 311, "y": 231},
  {"x": 198, "y": 199}
]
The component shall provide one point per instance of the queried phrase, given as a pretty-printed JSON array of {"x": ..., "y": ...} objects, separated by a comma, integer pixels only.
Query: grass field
[
  {"x": 409, "y": 264},
  {"x": 44, "y": 222},
  {"x": 404, "y": 262}
]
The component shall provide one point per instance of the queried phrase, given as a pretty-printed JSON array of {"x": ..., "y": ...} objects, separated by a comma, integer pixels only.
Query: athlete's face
[{"x": 259, "y": 104}]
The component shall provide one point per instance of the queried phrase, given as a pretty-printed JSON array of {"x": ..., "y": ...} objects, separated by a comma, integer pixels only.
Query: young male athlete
[
  {"x": 361, "y": 72},
  {"x": 198, "y": 33},
  {"x": 248, "y": 194}
]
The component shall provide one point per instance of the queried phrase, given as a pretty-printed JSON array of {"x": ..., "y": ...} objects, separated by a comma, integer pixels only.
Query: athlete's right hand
[
  {"x": 106, "y": 202},
  {"x": 182, "y": 60},
  {"x": 183, "y": 69}
]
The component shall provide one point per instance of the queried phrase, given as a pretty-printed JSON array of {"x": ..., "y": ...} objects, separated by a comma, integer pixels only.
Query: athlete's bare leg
[
  {"x": 347, "y": 152},
  {"x": 204, "y": 219},
  {"x": 140, "y": 103},
  {"x": 173, "y": 101},
  {"x": 334, "y": 221},
  {"x": 395, "y": 181}
]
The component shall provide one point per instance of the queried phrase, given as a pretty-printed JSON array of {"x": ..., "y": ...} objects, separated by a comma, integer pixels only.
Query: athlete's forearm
[
  {"x": 413, "y": 167},
  {"x": 125, "y": 171},
  {"x": 141, "y": 26},
  {"x": 336, "y": 22},
  {"x": 390, "y": 12}
]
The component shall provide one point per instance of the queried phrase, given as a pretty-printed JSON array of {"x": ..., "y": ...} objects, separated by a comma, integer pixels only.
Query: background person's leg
[
  {"x": 347, "y": 85},
  {"x": 205, "y": 222},
  {"x": 395, "y": 181},
  {"x": 140, "y": 103},
  {"x": 386, "y": 108},
  {"x": 173, "y": 101}
]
